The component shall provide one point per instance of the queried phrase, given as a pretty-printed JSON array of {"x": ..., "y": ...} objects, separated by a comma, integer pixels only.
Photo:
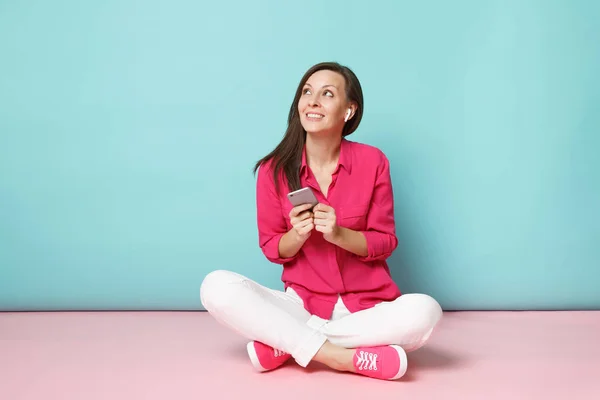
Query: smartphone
[{"x": 303, "y": 196}]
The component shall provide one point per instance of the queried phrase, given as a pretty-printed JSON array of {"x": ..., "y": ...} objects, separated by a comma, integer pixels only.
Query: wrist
[
  {"x": 297, "y": 238},
  {"x": 335, "y": 237}
]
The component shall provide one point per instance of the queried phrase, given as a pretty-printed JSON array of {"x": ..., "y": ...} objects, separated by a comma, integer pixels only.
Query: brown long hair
[{"x": 287, "y": 156}]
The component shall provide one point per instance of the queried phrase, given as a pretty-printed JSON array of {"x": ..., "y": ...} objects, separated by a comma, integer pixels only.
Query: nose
[{"x": 313, "y": 101}]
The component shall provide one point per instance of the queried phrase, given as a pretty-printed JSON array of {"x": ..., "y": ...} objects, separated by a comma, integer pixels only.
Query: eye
[
  {"x": 306, "y": 91},
  {"x": 328, "y": 93}
]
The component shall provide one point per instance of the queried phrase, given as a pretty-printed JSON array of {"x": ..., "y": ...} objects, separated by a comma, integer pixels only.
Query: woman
[{"x": 340, "y": 306}]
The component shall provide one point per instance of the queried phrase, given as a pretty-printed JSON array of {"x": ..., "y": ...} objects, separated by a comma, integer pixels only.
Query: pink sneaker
[
  {"x": 265, "y": 358},
  {"x": 385, "y": 362}
]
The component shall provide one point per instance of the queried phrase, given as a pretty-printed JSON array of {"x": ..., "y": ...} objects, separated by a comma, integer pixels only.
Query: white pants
[{"x": 279, "y": 319}]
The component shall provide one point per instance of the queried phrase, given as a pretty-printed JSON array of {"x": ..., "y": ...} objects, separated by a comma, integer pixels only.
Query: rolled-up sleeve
[
  {"x": 381, "y": 227},
  {"x": 271, "y": 222}
]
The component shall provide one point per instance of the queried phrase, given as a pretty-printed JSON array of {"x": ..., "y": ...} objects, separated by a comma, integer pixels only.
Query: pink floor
[{"x": 186, "y": 355}]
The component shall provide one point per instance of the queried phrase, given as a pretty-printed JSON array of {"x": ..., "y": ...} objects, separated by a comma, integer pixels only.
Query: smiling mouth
[{"x": 314, "y": 116}]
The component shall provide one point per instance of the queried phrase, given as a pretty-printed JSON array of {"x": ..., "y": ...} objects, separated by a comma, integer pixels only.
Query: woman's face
[{"x": 323, "y": 104}]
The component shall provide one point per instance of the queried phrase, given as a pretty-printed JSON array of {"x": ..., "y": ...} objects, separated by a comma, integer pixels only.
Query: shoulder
[
  {"x": 265, "y": 168},
  {"x": 367, "y": 155},
  {"x": 265, "y": 177}
]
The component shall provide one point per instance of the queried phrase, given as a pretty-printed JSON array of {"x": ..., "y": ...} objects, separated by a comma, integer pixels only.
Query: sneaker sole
[
  {"x": 254, "y": 357},
  {"x": 403, "y": 362}
]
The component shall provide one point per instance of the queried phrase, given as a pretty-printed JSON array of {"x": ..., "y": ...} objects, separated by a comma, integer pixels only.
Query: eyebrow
[{"x": 308, "y": 84}]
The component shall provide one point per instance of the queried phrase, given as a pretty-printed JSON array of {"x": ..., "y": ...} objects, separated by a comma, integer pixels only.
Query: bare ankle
[{"x": 335, "y": 357}]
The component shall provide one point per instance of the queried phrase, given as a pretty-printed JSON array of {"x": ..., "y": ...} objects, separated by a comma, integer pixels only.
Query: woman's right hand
[{"x": 302, "y": 221}]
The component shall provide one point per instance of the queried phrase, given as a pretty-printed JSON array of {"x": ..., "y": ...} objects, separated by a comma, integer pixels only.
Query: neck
[{"x": 322, "y": 151}]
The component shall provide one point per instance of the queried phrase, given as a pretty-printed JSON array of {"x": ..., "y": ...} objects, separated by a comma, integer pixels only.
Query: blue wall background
[{"x": 128, "y": 130}]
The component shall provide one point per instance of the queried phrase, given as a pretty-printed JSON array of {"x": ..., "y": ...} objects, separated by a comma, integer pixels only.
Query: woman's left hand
[{"x": 326, "y": 221}]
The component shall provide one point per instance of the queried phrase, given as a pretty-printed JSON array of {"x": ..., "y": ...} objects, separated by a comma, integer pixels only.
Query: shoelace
[
  {"x": 367, "y": 360},
  {"x": 278, "y": 353}
]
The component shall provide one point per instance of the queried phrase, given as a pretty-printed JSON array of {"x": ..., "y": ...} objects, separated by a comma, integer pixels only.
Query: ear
[{"x": 350, "y": 111}]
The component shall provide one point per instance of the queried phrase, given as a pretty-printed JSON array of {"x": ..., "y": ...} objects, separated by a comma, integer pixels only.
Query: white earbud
[{"x": 347, "y": 115}]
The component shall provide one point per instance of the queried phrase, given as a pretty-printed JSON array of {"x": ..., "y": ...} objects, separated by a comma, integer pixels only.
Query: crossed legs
[{"x": 278, "y": 319}]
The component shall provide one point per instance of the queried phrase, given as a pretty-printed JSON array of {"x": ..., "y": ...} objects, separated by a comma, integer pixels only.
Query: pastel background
[{"x": 128, "y": 131}]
